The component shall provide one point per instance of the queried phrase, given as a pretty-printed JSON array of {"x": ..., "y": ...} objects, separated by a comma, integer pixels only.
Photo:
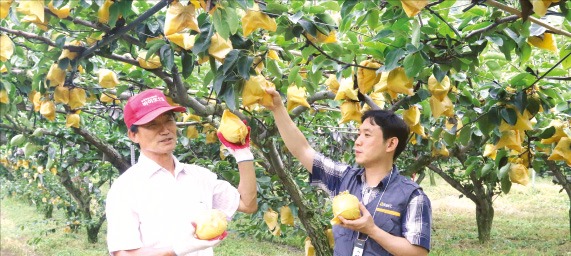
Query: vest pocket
[{"x": 391, "y": 224}]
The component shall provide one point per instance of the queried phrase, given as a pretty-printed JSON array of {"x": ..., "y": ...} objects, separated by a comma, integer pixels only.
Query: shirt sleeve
[
  {"x": 417, "y": 224},
  {"x": 327, "y": 173},
  {"x": 225, "y": 197},
  {"x": 122, "y": 222}
]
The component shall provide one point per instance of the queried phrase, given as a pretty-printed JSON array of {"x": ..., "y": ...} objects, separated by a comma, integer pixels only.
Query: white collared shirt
[{"x": 148, "y": 207}]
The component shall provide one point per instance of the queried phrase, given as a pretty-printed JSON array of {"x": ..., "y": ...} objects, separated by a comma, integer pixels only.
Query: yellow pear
[
  {"x": 62, "y": 12},
  {"x": 6, "y": 48},
  {"x": 559, "y": 132},
  {"x": 350, "y": 111},
  {"x": 5, "y": 8},
  {"x": 219, "y": 47},
  {"x": 191, "y": 132},
  {"x": 254, "y": 19},
  {"x": 398, "y": 82},
  {"x": 4, "y": 97},
  {"x": 367, "y": 78},
  {"x": 286, "y": 216},
  {"x": 48, "y": 110},
  {"x": 211, "y": 224},
  {"x": 510, "y": 139},
  {"x": 33, "y": 9},
  {"x": 108, "y": 78},
  {"x": 562, "y": 151},
  {"x": 69, "y": 54},
  {"x": 232, "y": 128},
  {"x": 332, "y": 83},
  {"x": 109, "y": 98},
  {"x": 519, "y": 174},
  {"x": 103, "y": 12},
  {"x": 309, "y": 249},
  {"x": 545, "y": 41},
  {"x": 439, "y": 89},
  {"x": 77, "y": 98},
  {"x": 346, "y": 91},
  {"x": 184, "y": 40},
  {"x": 271, "y": 220},
  {"x": 540, "y": 6},
  {"x": 61, "y": 94},
  {"x": 153, "y": 62},
  {"x": 490, "y": 151},
  {"x": 413, "y": 7},
  {"x": 273, "y": 55},
  {"x": 72, "y": 120},
  {"x": 439, "y": 108},
  {"x": 296, "y": 96},
  {"x": 254, "y": 91},
  {"x": 345, "y": 205},
  {"x": 180, "y": 17},
  {"x": 56, "y": 76},
  {"x": 442, "y": 151},
  {"x": 35, "y": 97},
  {"x": 411, "y": 116},
  {"x": 322, "y": 38},
  {"x": 418, "y": 129}
]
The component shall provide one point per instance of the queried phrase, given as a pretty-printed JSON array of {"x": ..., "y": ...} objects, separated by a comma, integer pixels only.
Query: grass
[{"x": 530, "y": 220}]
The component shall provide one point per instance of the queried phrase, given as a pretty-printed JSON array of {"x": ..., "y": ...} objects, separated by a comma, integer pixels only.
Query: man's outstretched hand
[{"x": 241, "y": 152}]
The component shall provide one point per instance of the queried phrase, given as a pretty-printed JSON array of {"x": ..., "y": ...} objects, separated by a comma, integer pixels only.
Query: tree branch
[
  {"x": 332, "y": 58},
  {"x": 107, "y": 40},
  {"x": 445, "y": 22},
  {"x": 511, "y": 10},
  {"x": 115, "y": 158},
  {"x": 496, "y": 23}
]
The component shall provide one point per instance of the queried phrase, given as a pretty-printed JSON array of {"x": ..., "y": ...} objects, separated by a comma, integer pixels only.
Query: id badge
[{"x": 359, "y": 247}]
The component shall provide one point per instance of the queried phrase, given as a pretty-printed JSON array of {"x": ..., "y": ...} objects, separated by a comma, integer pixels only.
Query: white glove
[
  {"x": 241, "y": 152},
  {"x": 190, "y": 243}
]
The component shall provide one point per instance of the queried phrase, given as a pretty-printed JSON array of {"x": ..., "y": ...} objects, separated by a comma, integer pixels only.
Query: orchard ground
[{"x": 530, "y": 220}]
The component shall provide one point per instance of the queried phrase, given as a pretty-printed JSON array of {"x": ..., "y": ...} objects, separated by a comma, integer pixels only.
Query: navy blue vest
[{"x": 389, "y": 216}]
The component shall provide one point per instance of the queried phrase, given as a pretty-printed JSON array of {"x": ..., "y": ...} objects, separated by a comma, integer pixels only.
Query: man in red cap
[{"x": 151, "y": 207}]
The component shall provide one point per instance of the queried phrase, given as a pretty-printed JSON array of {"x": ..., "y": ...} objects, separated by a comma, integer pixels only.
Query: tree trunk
[
  {"x": 484, "y": 218},
  {"x": 92, "y": 232},
  {"x": 307, "y": 216}
]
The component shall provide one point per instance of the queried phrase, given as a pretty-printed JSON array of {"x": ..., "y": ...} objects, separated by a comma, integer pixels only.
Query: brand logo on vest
[{"x": 382, "y": 204}]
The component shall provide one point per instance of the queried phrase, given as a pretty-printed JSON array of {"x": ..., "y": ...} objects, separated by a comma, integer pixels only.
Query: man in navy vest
[{"x": 396, "y": 214}]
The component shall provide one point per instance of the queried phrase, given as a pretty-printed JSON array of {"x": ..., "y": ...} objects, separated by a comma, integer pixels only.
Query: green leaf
[
  {"x": 230, "y": 60},
  {"x": 506, "y": 184},
  {"x": 167, "y": 56},
  {"x": 244, "y": 65},
  {"x": 413, "y": 64},
  {"x": 276, "y": 8},
  {"x": 565, "y": 54},
  {"x": 203, "y": 41},
  {"x": 547, "y": 133},
  {"x": 465, "y": 135},
  {"x": 392, "y": 59},
  {"x": 488, "y": 167},
  {"x": 504, "y": 171},
  {"x": 187, "y": 64},
  {"x": 233, "y": 20},
  {"x": 293, "y": 74},
  {"x": 449, "y": 138},
  {"x": 153, "y": 47},
  {"x": 274, "y": 68},
  {"x": 220, "y": 21},
  {"x": 509, "y": 115},
  {"x": 347, "y": 7},
  {"x": 309, "y": 27}
]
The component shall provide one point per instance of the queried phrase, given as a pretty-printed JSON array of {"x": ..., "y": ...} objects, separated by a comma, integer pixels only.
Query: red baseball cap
[{"x": 146, "y": 106}]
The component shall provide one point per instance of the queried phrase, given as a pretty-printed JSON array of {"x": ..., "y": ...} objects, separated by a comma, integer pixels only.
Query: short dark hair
[{"x": 392, "y": 126}]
